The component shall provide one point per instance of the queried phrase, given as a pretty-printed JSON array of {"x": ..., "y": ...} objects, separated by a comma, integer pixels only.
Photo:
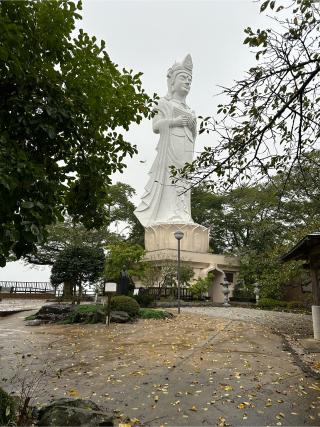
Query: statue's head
[{"x": 179, "y": 77}]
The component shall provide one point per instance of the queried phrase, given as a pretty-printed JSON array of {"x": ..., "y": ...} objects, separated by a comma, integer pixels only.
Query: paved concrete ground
[{"x": 191, "y": 370}]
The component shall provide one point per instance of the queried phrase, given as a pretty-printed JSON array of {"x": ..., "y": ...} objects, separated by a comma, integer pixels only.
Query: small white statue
[{"x": 164, "y": 202}]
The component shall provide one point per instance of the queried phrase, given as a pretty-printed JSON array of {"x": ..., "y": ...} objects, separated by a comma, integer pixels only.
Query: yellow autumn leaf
[
  {"x": 228, "y": 388},
  {"x": 222, "y": 422},
  {"x": 73, "y": 392},
  {"x": 194, "y": 408},
  {"x": 241, "y": 406},
  {"x": 315, "y": 387}
]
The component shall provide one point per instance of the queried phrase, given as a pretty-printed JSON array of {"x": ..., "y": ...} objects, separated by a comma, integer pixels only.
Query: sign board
[
  {"x": 110, "y": 287},
  {"x": 135, "y": 291}
]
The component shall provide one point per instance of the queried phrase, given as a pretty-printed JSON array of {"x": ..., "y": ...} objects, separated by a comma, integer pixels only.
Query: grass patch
[
  {"x": 89, "y": 308},
  {"x": 31, "y": 317},
  {"x": 150, "y": 313},
  {"x": 86, "y": 313}
]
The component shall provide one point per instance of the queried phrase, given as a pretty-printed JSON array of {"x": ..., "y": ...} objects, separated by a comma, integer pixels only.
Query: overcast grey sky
[{"x": 149, "y": 36}]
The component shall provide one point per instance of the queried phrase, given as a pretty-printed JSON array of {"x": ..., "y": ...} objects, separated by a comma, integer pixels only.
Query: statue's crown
[{"x": 184, "y": 66}]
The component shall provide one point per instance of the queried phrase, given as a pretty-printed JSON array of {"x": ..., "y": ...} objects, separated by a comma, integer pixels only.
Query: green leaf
[
  {"x": 264, "y": 5},
  {"x": 27, "y": 205}
]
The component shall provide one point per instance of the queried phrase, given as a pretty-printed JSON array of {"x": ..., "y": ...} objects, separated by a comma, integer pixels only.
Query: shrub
[
  {"x": 144, "y": 300},
  {"x": 200, "y": 287},
  {"x": 243, "y": 292},
  {"x": 124, "y": 303},
  {"x": 149, "y": 313},
  {"x": 271, "y": 303},
  {"x": 7, "y": 409},
  {"x": 292, "y": 305},
  {"x": 86, "y": 313}
]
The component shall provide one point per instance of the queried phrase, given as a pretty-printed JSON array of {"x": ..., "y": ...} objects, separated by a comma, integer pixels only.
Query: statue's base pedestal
[{"x": 161, "y": 236}]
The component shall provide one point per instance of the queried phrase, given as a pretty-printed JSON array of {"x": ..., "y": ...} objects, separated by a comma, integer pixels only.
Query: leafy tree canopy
[
  {"x": 251, "y": 218},
  {"x": 65, "y": 234},
  {"x": 250, "y": 222},
  {"x": 78, "y": 265},
  {"x": 62, "y": 104},
  {"x": 123, "y": 256},
  {"x": 271, "y": 120}
]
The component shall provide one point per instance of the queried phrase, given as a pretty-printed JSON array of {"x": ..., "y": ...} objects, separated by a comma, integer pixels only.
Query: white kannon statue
[{"x": 164, "y": 202}]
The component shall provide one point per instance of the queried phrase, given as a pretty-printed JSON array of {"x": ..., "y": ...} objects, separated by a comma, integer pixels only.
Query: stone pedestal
[
  {"x": 316, "y": 321},
  {"x": 161, "y": 236}
]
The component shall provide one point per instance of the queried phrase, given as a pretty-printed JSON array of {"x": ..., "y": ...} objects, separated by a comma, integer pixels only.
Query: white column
[{"x": 316, "y": 321}]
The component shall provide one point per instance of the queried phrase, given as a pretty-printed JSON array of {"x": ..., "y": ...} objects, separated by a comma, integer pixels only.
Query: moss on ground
[{"x": 150, "y": 313}]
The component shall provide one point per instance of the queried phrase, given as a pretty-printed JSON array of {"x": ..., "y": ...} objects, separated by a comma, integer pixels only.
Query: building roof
[{"x": 303, "y": 248}]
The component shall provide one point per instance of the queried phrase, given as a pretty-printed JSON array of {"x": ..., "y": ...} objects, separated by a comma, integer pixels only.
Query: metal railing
[
  {"x": 165, "y": 292},
  {"x": 26, "y": 287}
]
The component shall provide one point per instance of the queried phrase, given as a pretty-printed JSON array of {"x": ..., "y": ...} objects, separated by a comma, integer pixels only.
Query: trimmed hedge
[
  {"x": 7, "y": 408},
  {"x": 271, "y": 303},
  {"x": 124, "y": 303},
  {"x": 296, "y": 305}
]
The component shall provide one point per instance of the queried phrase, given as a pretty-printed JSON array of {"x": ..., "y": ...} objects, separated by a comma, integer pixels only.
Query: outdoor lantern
[{"x": 226, "y": 292}]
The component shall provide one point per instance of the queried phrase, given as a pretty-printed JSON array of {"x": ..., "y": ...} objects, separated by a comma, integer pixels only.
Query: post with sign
[{"x": 110, "y": 288}]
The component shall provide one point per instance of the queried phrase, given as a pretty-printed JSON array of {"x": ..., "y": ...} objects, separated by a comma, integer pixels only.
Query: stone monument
[{"x": 166, "y": 207}]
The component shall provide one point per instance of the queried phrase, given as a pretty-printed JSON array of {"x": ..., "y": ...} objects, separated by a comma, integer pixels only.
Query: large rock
[
  {"x": 73, "y": 412},
  {"x": 54, "y": 312},
  {"x": 119, "y": 317},
  {"x": 34, "y": 322}
]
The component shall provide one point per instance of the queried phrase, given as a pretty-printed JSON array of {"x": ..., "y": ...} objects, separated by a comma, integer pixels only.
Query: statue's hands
[
  {"x": 192, "y": 123},
  {"x": 180, "y": 121}
]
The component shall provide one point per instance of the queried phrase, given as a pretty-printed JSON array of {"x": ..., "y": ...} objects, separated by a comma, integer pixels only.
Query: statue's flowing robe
[{"x": 164, "y": 202}]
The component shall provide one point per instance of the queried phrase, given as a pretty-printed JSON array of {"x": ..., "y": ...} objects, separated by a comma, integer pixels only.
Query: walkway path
[
  {"x": 191, "y": 370},
  {"x": 15, "y": 305}
]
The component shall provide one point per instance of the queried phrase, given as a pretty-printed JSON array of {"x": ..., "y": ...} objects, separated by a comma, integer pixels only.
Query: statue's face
[{"x": 181, "y": 84}]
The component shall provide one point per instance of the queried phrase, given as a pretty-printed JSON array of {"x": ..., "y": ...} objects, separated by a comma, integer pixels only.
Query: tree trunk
[
  {"x": 79, "y": 293},
  {"x": 67, "y": 290}
]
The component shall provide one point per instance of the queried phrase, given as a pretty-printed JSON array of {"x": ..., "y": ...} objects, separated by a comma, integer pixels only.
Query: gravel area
[
  {"x": 295, "y": 324},
  {"x": 294, "y": 328}
]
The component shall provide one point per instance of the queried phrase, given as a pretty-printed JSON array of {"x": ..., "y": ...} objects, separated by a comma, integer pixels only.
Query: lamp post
[{"x": 178, "y": 235}]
